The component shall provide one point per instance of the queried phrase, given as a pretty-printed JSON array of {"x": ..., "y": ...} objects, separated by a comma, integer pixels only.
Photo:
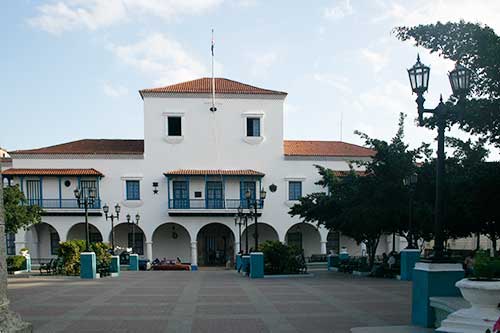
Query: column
[
  {"x": 194, "y": 256},
  {"x": 237, "y": 247},
  {"x": 323, "y": 247},
  {"x": 149, "y": 251}
]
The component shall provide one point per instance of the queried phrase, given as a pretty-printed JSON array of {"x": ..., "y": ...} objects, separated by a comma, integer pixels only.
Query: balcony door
[
  {"x": 215, "y": 195},
  {"x": 181, "y": 194},
  {"x": 33, "y": 192},
  {"x": 85, "y": 186},
  {"x": 244, "y": 187}
]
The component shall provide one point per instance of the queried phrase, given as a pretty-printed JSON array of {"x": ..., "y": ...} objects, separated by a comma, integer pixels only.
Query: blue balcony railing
[
  {"x": 210, "y": 203},
  {"x": 61, "y": 203}
]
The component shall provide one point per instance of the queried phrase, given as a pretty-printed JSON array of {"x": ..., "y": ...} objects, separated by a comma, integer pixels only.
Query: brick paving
[{"x": 209, "y": 301}]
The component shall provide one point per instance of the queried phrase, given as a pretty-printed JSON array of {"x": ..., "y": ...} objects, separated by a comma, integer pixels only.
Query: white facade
[{"x": 209, "y": 141}]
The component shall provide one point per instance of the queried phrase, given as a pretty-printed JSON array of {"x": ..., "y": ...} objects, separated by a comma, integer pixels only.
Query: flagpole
[{"x": 213, "y": 108}]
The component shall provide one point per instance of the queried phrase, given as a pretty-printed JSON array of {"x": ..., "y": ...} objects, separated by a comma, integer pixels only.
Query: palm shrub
[
  {"x": 16, "y": 263},
  {"x": 279, "y": 258},
  {"x": 486, "y": 267}
]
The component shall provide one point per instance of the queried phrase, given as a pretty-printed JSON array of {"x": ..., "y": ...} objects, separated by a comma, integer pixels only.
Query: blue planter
[
  {"x": 409, "y": 258},
  {"x": 88, "y": 265},
  {"x": 134, "y": 262},
  {"x": 256, "y": 265}
]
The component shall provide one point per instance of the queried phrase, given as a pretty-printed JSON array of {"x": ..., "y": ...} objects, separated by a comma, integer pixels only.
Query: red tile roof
[
  {"x": 51, "y": 172},
  {"x": 90, "y": 146},
  {"x": 343, "y": 173},
  {"x": 325, "y": 148},
  {"x": 204, "y": 86},
  {"x": 187, "y": 172}
]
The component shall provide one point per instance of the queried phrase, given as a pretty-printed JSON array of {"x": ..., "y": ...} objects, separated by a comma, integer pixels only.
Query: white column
[
  {"x": 237, "y": 247},
  {"x": 149, "y": 251},
  {"x": 194, "y": 253},
  {"x": 323, "y": 247}
]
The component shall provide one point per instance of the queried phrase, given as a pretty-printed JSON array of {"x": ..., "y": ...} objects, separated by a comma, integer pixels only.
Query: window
[
  {"x": 11, "y": 244},
  {"x": 85, "y": 186},
  {"x": 181, "y": 194},
  {"x": 215, "y": 195},
  {"x": 253, "y": 126},
  {"x": 139, "y": 242},
  {"x": 54, "y": 243},
  {"x": 174, "y": 126},
  {"x": 33, "y": 194},
  {"x": 294, "y": 190},
  {"x": 133, "y": 190}
]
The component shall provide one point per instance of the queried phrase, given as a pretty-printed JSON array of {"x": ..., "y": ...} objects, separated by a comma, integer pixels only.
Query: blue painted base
[
  {"x": 28, "y": 263},
  {"x": 134, "y": 262},
  {"x": 87, "y": 265},
  {"x": 409, "y": 258},
  {"x": 256, "y": 265},
  {"x": 114, "y": 266},
  {"x": 238, "y": 262},
  {"x": 430, "y": 280},
  {"x": 245, "y": 263},
  {"x": 333, "y": 261},
  {"x": 194, "y": 267}
]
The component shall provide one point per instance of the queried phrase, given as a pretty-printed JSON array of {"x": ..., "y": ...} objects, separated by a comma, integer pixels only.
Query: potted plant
[
  {"x": 24, "y": 251},
  {"x": 482, "y": 291}
]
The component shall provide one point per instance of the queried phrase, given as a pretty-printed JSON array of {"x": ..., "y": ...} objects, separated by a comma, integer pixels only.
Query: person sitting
[
  {"x": 156, "y": 262},
  {"x": 391, "y": 261}
]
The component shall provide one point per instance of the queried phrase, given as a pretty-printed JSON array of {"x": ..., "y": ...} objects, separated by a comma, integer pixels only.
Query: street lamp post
[
  {"x": 238, "y": 222},
  {"x": 85, "y": 198},
  {"x": 255, "y": 205},
  {"x": 411, "y": 182},
  {"x": 129, "y": 220},
  {"x": 460, "y": 84},
  {"x": 105, "y": 208},
  {"x": 243, "y": 220}
]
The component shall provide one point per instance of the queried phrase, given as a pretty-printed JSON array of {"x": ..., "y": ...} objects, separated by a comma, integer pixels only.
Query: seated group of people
[{"x": 166, "y": 261}]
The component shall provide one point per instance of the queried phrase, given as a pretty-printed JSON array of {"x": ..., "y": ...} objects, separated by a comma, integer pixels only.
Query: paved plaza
[{"x": 209, "y": 301}]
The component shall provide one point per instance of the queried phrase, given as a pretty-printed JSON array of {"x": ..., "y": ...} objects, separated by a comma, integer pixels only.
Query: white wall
[{"x": 165, "y": 246}]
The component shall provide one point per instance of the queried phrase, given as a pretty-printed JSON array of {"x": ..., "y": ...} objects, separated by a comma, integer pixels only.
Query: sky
[{"x": 71, "y": 69}]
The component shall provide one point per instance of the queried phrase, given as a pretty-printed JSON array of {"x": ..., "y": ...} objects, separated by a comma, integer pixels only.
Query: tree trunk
[
  {"x": 371, "y": 248},
  {"x": 494, "y": 246},
  {"x": 478, "y": 241}
]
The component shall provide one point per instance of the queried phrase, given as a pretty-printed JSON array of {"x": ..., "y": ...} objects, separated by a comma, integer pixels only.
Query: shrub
[
  {"x": 16, "y": 263},
  {"x": 280, "y": 258},
  {"x": 486, "y": 267},
  {"x": 69, "y": 252}
]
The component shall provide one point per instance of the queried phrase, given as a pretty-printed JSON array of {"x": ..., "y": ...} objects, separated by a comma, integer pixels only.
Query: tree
[
  {"x": 477, "y": 47},
  {"x": 366, "y": 206},
  {"x": 17, "y": 213}
]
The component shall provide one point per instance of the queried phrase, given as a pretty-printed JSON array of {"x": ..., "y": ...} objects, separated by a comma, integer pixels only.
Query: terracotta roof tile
[
  {"x": 343, "y": 173},
  {"x": 51, "y": 172},
  {"x": 191, "y": 172},
  {"x": 325, "y": 148},
  {"x": 90, "y": 146},
  {"x": 204, "y": 86}
]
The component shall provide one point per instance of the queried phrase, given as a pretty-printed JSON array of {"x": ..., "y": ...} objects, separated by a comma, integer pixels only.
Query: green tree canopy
[{"x": 17, "y": 213}]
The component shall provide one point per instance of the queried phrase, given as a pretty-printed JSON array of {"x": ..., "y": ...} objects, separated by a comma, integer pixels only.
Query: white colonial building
[{"x": 186, "y": 179}]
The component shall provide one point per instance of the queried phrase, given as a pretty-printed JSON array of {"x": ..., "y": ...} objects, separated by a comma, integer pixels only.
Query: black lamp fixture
[
  {"x": 86, "y": 198},
  {"x": 136, "y": 222},
  {"x": 155, "y": 187},
  {"x": 105, "y": 209},
  {"x": 255, "y": 204},
  {"x": 460, "y": 85}
]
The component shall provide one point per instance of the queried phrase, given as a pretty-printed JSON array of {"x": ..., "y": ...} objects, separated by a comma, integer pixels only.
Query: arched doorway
[
  {"x": 171, "y": 241},
  {"x": 125, "y": 235},
  {"x": 266, "y": 233},
  {"x": 304, "y": 236},
  {"x": 215, "y": 245},
  {"x": 42, "y": 240},
  {"x": 77, "y": 231}
]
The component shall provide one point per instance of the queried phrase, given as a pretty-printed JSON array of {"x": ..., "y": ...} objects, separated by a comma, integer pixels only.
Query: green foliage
[
  {"x": 16, "y": 263},
  {"x": 486, "y": 267},
  {"x": 70, "y": 251},
  {"x": 478, "y": 48},
  {"x": 280, "y": 258},
  {"x": 17, "y": 213},
  {"x": 24, "y": 249}
]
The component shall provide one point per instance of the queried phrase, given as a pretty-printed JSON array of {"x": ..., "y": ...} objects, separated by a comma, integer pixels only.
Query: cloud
[
  {"x": 262, "y": 63},
  {"x": 114, "y": 91},
  {"x": 338, "y": 82},
  {"x": 161, "y": 57},
  {"x": 424, "y": 11},
  {"x": 378, "y": 60},
  {"x": 66, "y": 15},
  {"x": 339, "y": 9}
]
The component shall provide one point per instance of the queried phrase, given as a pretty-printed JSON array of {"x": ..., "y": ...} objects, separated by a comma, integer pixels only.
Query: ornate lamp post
[
  {"x": 85, "y": 198},
  {"x": 411, "y": 183},
  {"x": 105, "y": 208},
  {"x": 255, "y": 205},
  {"x": 129, "y": 220},
  {"x": 460, "y": 84}
]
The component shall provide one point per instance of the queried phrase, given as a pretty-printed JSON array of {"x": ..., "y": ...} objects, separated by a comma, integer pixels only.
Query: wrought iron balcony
[
  {"x": 210, "y": 204},
  {"x": 61, "y": 203}
]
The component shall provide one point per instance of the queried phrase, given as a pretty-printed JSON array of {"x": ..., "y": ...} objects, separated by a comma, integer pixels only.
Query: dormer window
[{"x": 253, "y": 127}]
